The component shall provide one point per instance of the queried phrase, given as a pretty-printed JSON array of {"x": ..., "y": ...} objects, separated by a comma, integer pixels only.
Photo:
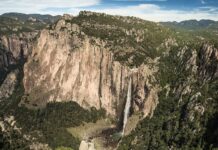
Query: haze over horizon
[{"x": 153, "y": 10}]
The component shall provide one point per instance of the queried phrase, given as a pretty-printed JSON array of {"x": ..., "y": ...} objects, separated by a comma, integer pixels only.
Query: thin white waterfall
[{"x": 128, "y": 104}]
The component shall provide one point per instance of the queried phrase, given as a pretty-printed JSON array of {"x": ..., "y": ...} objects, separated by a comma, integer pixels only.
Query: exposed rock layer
[
  {"x": 8, "y": 86},
  {"x": 14, "y": 49},
  {"x": 68, "y": 65}
]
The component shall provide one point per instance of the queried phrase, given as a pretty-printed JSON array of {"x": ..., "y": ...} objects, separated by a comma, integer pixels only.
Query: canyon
[
  {"x": 64, "y": 66},
  {"x": 122, "y": 80}
]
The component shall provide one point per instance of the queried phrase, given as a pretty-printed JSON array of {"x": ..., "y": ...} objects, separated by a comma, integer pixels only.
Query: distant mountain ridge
[
  {"x": 26, "y": 17},
  {"x": 47, "y": 18},
  {"x": 192, "y": 24},
  {"x": 18, "y": 22}
]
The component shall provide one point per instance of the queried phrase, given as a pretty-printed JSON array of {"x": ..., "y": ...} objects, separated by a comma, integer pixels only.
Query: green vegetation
[
  {"x": 192, "y": 24},
  {"x": 9, "y": 26},
  {"x": 127, "y": 37},
  {"x": 90, "y": 129},
  {"x": 47, "y": 125},
  {"x": 134, "y": 40},
  {"x": 15, "y": 23},
  {"x": 180, "y": 121},
  {"x": 12, "y": 140},
  {"x": 53, "y": 120},
  {"x": 26, "y": 17},
  {"x": 179, "y": 124},
  {"x": 193, "y": 30}
]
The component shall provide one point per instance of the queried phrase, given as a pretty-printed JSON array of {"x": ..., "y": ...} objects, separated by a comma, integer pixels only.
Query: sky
[{"x": 153, "y": 10}]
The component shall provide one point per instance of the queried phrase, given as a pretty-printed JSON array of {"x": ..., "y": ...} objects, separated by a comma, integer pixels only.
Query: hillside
[
  {"x": 192, "y": 24},
  {"x": 26, "y": 17},
  {"x": 15, "y": 23},
  {"x": 202, "y": 29},
  {"x": 79, "y": 72}
]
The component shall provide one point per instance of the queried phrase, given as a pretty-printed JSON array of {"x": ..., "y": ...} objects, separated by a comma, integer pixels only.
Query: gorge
[{"x": 97, "y": 81}]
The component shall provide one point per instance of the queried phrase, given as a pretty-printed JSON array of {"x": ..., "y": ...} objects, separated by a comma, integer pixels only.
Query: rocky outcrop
[
  {"x": 8, "y": 86},
  {"x": 6, "y": 59},
  {"x": 201, "y": 63},
  {"x": 84, "y": 145},
  {"x": 16, "y": 45},
  {"x": 68, "y": 65},
  {"x": 14, "y": 49},
  {"x": 208, "y": 62}
]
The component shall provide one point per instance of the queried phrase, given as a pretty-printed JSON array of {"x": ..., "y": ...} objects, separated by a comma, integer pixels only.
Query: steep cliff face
[
  {"x": 68, "y": 65},
  {"x": 18, "y": 45},
  {"x": 14, "y": 49},
  {"x": 89, "y": 59}
]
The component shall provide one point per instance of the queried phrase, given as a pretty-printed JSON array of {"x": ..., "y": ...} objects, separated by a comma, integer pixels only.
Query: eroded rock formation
[
  {"x": 68, "y": 65},
  {"x": 8, "y": 86}
]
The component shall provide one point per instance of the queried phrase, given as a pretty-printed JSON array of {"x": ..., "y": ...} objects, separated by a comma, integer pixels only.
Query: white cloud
[
  {"x": 155, "y": 13},
  {"x": 145, "y": 11},
  {"x": 203, "y": 2},
  {"x": 37, "y": 6}
]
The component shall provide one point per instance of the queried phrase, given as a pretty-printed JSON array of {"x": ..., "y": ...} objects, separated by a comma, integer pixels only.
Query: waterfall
[{"x": 128, "y": 104}]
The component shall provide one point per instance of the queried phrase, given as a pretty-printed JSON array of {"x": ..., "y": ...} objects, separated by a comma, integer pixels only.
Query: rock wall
[
  {"x": 8, "y": 86},
  {"x": 67, "y": 65},
  {"x": 15, "y": 44},
  {"x": 18, "y": 45},
  {"x": 14, "y": 49},
  {"x": 208, "y": 62}
]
